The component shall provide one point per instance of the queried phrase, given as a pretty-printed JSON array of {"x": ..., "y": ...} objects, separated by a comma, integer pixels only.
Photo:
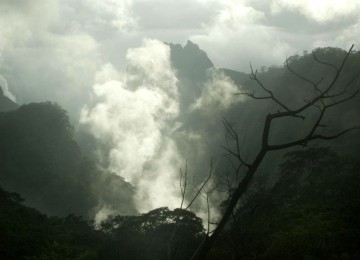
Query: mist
[
  {"x": 51, "y": 50},
  {"x": 143, "y": 78},
  {"x": 135, "y": 114},
  {"x": 140, "y": 129}
]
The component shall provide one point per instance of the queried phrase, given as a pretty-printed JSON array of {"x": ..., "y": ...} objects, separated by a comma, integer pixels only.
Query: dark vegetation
[
  {"x": 323, "y": 95},
  {"x": 40, "y": 160},
  {"x": 28, "y": 234},
  {"x": 310, "y": 212}
]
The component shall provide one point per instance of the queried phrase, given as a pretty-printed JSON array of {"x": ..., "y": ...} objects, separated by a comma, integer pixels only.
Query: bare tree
[
  {"x": 201, "y": 191},
  {"x": 326, "y": 96}
]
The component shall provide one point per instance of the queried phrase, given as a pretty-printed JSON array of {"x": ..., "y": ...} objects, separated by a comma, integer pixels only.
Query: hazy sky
[
  {"x": 105, "y": 62},
  {"x": 56, "y": 46}
]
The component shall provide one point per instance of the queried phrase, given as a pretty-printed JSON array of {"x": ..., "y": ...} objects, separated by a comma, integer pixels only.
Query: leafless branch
[
  {"x": 346, "y": 87},
  {"x": 320, "y": 100},
  {"x": 324, "y": 63},
  {"x": 183, "y": 186},
  {"x": 306, "y": 140},
  {"x": 271, "y": 95},
  {"x": 233, "y": 134},
  {"x": 202, "y": 186}
]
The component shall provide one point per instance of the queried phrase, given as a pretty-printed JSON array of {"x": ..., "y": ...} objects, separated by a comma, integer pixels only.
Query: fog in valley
[{"x": 121, "y": 112}]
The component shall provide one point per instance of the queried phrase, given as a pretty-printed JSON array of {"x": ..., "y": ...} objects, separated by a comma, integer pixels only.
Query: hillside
[{"x": 301, "y": 204}]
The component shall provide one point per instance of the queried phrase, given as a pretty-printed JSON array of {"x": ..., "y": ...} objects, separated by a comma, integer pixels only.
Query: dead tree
[{"x": 325, "y": 97}]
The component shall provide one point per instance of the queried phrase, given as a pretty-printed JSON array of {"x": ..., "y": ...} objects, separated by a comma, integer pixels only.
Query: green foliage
[
  {"x": 58, "y": 251},
  {"x": 28, "y": 234},
  {"x": 311, "y": 213},
  {"x": 22, "y": 229},
  {"x": 40, "y": 160},
  {"x": 158, "y": 234},
  {"x": 249, "y": 115}
]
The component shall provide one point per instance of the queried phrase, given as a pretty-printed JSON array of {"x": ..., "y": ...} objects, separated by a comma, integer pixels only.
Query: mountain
[
  {"x": 191, "y": 65},
  {"x": 190, "y": 61},
  {"x": 40, "y": 160},
  {"x": 240, "y": 78},
  {"x": 39, "y": 155},
  {"x": 247, "y": 115}
]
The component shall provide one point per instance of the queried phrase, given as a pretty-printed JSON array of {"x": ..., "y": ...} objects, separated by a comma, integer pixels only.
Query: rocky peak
[{"x": 190, "y": 61}]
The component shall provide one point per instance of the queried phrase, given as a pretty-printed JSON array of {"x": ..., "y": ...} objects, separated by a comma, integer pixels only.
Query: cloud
[
  {"x": 349, "y": 36},
  {"x": 114, "y": 13},
  {"x": 321, "y": 11},
  {"x": 60, "y": 71},
  {"x": 266, "y": 32},
  {"x": 50, "y": 50},
  {"x": 21, "y": 20},
  {"x": 238, "y": 35},
  {"x": 172, "y": 15},
  {"x": 134, "y": 114},
  {"x": 234, "y": 13}
]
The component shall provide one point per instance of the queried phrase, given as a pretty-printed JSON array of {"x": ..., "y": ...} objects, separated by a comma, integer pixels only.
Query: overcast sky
[
  {"x": 64, "y": 42},
  {"x": 101, "y": 58}
]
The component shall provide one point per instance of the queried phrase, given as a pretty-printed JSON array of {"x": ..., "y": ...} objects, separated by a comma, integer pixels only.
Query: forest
[{"x": 301, "y": 202}]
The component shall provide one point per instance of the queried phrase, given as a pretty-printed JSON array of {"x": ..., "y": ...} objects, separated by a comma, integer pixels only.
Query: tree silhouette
[
  {"x": 327, "y": 94},
  {"x": 151, "y": 235}
]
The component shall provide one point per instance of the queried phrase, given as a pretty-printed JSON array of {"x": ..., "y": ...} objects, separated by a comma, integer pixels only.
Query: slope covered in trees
[
  {"x": 40, "y": 160},
  {"x": 28, "y": 234},
  {"x": 294, "y": 91},
  {"x": 247, "y": 115},
  {"x": 306, "y": 207},
  {"x": 311, "y": 213},
  {"x": 316, "y": 98}
]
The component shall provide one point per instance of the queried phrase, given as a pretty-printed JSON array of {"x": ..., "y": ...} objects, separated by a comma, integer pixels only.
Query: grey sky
[{"x": 65, "y": 42}]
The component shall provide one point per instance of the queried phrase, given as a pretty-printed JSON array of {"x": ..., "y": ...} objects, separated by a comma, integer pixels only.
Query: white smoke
[
  {"x": 5, "y": 89},
  {"x": 135, "y": 112},
  {"x": 218, "y": 93}
]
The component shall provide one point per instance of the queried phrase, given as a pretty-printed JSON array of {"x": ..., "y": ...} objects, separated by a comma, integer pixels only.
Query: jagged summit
[
  {"x": 191, "y": 65},
  {"x": 190, "y": 61}
]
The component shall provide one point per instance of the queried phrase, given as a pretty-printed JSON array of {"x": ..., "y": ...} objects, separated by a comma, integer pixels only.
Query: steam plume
[{"x": 134, "y": 114}]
